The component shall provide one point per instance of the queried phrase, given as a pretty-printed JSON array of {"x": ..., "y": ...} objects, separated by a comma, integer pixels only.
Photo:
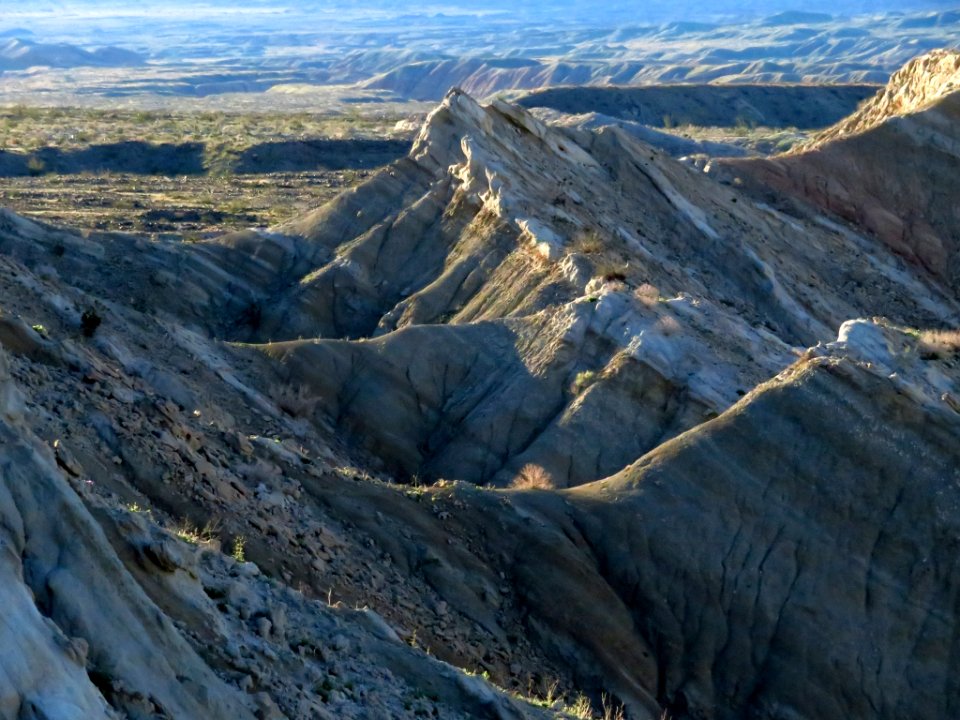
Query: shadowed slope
[
  {"x": 794, "y": 557},
  {"x": 799, "y": 106},
  {"x": 799, "y": 546}
]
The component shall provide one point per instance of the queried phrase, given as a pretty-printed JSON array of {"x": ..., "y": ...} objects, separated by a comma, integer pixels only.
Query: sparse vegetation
[
  {"x": 582, "y": 381},
  {"x": 668, "y": 326},
  {"x": 532, "y": 477},
  {"x": 33, "y": 128},
  {"x": 744, "y": 125},
  {"x": 296, "y": 401},
  {"x": 35, "y": 165},
  {"x": 612, "y": 271},
  {"x": 239, "y": 550},
  {"x": 745, "y": 134},
  {"x": 587, "y": 242},
  {"x": 611, "y": 709},
  {"x": 647, "y": 294},
  {"x": 549, "y": 695},
  {"x": 354, "y": 473},
  {"x": 581, "y": 708},
  {"x": 190, "y": 533},
  {"x": 183, "y": 164}
]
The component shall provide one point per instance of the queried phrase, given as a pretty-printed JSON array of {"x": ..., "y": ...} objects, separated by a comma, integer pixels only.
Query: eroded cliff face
[
  {"x": 890, "y": 168},
  {"x": 549, "y": 256},
  {"x": 65, "y": 592},
  {"x": 741, "y": 526},
  {"x": 783, "y": 574},
  {"x": 764, "y": 564},
  {"x": 42, "y": 669}
]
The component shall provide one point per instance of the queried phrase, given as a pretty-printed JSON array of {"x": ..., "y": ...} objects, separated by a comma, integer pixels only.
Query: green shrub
[{"x": 582, "y": 381}]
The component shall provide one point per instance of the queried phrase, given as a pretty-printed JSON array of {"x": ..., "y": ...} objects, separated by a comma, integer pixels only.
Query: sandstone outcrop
[
  {"x": 548, "y": 256},
  {"x": 889, "y": 168}
]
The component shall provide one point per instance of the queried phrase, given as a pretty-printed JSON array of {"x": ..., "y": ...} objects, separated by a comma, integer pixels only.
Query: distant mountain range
[
  {"x": 19, "y": 54},
  {"x": 395, "y": 51}
]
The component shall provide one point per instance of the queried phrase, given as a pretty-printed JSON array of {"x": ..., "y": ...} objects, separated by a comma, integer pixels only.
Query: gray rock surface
[{"x": 73, "y": 609}]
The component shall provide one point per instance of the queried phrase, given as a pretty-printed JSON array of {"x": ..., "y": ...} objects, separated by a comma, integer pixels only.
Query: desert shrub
[
  {"x": 532, "y": 477},
  {"x": 587, "y": 242},
  {"x": 611, "y": 271},
  {"x": 239, "y": 549},
  {"x": 582, "y": 381},
  {"x": 36, "y": 166},
  {"x": 612, "y": 710},
  {"x": 668, "y": 326},
  {"x": 190, "y": 533},
  {"x": 89, "y": 322},
  {"x": 614, "y": 276},
  {"x": 24, "y": 112},
  {"x": 744, "y": 125},
  {"x": 939, "y": 344},
  {"x": 581, "y": 708}
]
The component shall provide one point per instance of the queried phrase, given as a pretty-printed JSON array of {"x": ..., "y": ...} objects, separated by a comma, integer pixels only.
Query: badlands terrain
[
  {"x": 533, "y": 422},
  {"x": 375, "y": 56},
  {"x": 633, "y": 402}
]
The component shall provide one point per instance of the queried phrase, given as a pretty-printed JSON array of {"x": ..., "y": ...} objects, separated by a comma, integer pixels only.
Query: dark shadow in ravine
[
  {"x": 320, "y": 154},
  {"x": 133, "y": 157},
  {"x": 142, "y": 158},
  {"x": 807, "y": 107}
]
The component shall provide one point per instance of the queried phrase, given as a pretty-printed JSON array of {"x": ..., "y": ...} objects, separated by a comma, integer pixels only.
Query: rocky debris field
[{"x": 534, "y": 422}]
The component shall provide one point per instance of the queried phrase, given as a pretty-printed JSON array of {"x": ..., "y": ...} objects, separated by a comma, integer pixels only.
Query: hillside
[
  {"x": 888, "y": 167},
  {"x": 20, "y": 54},
  {"x": 533, "y": 408},
  {"x": 800, "y": 106},
  {"x": 553, "y": 255}
]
